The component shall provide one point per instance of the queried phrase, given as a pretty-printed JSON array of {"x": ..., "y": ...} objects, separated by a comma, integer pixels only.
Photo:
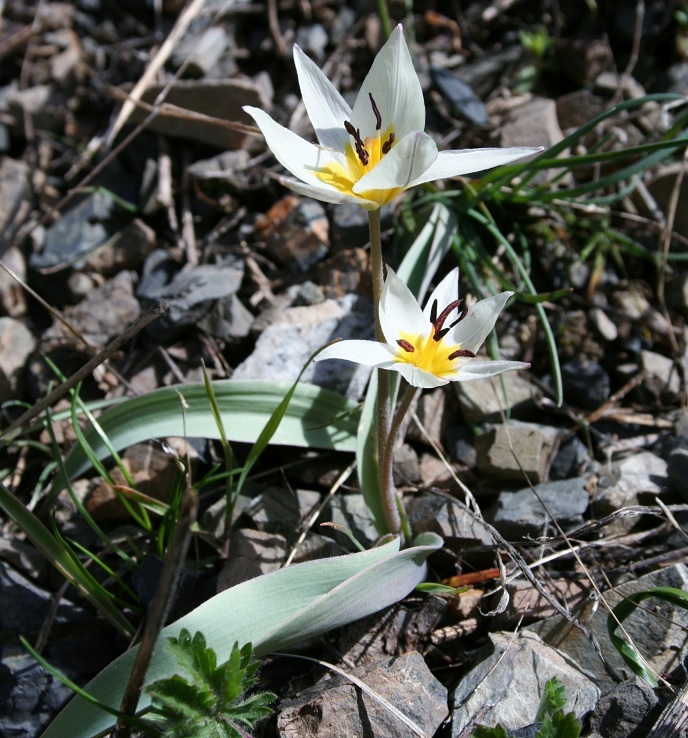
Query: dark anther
[
  {"x": 439, "y": 335},
  {"x": 439, "y": 322},
  {"x": 461, "y": 352},
  {"x": 464, "y": 313},
  {"x": 378, "y": 117},
  {"x": 356, "y": 135},
  {"x": 433, "y": 312},
  {"x": 403, "y": 343},
  {"x": 387, "y": 145}
]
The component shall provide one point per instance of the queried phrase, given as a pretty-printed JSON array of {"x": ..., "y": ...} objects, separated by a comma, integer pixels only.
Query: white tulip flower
[
  {"x": 429, "y": 347},
  {"x": 372, "y": 153}
]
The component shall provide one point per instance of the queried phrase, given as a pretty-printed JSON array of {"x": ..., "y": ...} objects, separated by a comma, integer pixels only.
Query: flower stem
[
  {"x": 387, "y": 494},
  {"x": 387, "y": 457}
]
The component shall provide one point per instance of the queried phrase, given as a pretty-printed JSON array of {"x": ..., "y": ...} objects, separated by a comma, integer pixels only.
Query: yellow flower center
[
  {"x": 430, "y": 353},
  {"x": 432, "y": 356},
  {"x": 360, "y": 159}
]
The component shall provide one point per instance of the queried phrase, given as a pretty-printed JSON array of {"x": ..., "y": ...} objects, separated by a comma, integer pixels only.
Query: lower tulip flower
[{"x": 429, "y": 347}]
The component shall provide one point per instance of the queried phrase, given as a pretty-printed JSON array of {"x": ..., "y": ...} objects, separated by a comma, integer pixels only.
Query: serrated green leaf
[
  {"x": 553, "y": 698},
  {"x": 560, "y": 725}
]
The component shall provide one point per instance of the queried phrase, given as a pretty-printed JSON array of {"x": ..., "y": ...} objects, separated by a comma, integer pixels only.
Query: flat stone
[
  {"x": 127, "y": 250},
  {"x": 586, "y": 384},
  {"x": 431, "y": 412},
  {"x": 603, "y": 324},
  {"x": 507, "y": 685},
  {"x": 483, "y": 402},
  {"x": 293, "y": 334},
  {"x": 221, "y": 99},
  {"x": 15, "y": 189},
  {"x": 280, "y": 510},
  {"x": 662, "y": 377},
  {"x": 638, "y": 475},
  {"x": 521, "y": 514},
  {"x": 12, "y": 295},
  {"x": 201, "y": 52},
  {"x": 628, "y": 709},
  {"x": 17, "y": 343},
  {"x": 79, "y": 232},
  {"x": 337, "y": 708},
  {"x": 251, "y": 553},
  {"x": 657, "y": 629},
  {"x": 350, "y": 512},
  {"x": 501, "y": 445},
  {"x": 446, "y": 516},
  {"x": 191, "y": 293}
]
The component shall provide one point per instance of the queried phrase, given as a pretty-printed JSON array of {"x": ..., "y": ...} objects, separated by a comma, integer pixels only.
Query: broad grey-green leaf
[
  {"x": 315, "y": 418},
  {"x": 273, "y": 612}
]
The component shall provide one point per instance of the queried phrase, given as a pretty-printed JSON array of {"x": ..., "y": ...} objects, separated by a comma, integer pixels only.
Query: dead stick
[
  {"x": 174, "y": 560},
  {"x": 59, "y": 392}
]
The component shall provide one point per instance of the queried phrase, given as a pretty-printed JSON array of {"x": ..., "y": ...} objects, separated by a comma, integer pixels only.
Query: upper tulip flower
[
  {"x": 429, "y": 347},
  {"x": 371, "y": 154}
]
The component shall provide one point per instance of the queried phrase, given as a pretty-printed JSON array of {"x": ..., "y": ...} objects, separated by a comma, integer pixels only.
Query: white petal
[
  {"x": 446, "y": 292},
  {"x": 326, "y": 108},
  {"x": 407, "y": 161},
  {"x": 480, "y": 369},
  {"x": 418, "y": 377},
  {"x": 301, "y": 158},
  {"x": 470, "y": 161},
  {"x": 368, "y": 353},
  {"x": 399, "y": 311},
  {"x": 472, "y": 331},
  {"x": 394, "y": 85}
]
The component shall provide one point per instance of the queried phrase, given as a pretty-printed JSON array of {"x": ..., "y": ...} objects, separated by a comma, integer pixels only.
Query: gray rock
[
  {"x": 521, "y": 514},
  {"x": 191, "y": 294},
  {"x": 572, "y": 459},
  {"x": 294, "y": 333},
  {"x": 662, "y": 377},
  {"x": 221, "y": 99},
  {"x": 251, "y": 553},
  {"x": 12, "y": 295},
  {"x": 79, "y": 232},
  {"x": 313, "y": 39},
  {"x": 201, "y": 52},
  {"x": 104, "y": 313},
  {"x": 638, "y": 475},
  {"x": 657, "y": 629},
  {"x": 349, "y": 511},
  {"x": 431, "y": 410},
  {"x": 460, "y": 96},
  {"x": 227, "y": 319},
  {"x": 280, "y": 510},
  {"x": 336, "y": 708},
  {"x": 507, "y": 685},
  {"x": 30, "y": 696},
  {"x": 446, "y": 516},
  {"x": 15, "y": 190},
  {"x": 17, "y": 343},
  {"x": 406, "y": 466},
  {"x": 603, "y": 324},
  {"x": 677, "y": 471},
  {"x": 533, "y": 445},
  {"x": 126, "y": 250},
  {"x": 585, "y": 384},
  {"x": 628, "y": 710},
  {"x": 483, "y": 402}
]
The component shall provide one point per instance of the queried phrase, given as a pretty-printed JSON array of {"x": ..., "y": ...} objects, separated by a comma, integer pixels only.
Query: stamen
[
  {"x": 464, "y": 313},
  {"x": 461, "y": 352},
  {"x": 408, "y": 347},
  {"x": 440, "y": 334},
  {"x": 355, "y": 133},
  {"x": 378, "y": 117},
  {"x": 387, "y": 145},
  {"x": 437, "y": 324},
  {"x": 433, "y": 312}
]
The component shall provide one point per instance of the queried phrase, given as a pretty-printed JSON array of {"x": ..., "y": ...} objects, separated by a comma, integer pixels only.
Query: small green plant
[
  {"x": 554, "y": 722},
  {"x": 213, "y": 703}
]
